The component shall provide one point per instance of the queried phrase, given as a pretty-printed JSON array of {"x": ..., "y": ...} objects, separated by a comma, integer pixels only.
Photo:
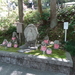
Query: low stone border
[{"x": 38, "y": 62}]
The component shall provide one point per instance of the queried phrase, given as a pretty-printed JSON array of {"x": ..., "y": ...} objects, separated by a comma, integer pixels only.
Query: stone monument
[{"x": 31, "y": 34}]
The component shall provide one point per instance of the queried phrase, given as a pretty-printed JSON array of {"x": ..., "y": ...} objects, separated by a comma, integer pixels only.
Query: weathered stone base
[{"x": 38, "y": 62}]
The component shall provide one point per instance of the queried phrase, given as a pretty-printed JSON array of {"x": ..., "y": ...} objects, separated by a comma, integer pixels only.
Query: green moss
[
  {"x": 3, "y": 48},
  {"x": 55, "y": 53}
]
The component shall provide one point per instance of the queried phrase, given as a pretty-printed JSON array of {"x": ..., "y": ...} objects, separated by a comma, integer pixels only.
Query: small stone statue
[
  {"x": 46, "y": 39},
  {"x": 14, "y": 36},
  {"x": 15, "y": 44},
  {"x": 43, "y": 47},
  {"x": 56, "y": 44},
  {"x": 5, "y": 42},
  {"x": 49, "y": 51},
  {"x": 9, "y": 44},
  {"x": 43, "y": 43}
]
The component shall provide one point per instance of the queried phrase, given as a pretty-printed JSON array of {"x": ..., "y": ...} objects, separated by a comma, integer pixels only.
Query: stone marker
[{"x": 31, "y": 35}]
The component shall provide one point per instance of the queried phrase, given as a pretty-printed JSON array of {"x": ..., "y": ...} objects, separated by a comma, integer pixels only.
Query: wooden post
[{"x": 19, "y": 30}]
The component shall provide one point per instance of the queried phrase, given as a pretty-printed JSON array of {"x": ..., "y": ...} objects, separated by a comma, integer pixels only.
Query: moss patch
[
  {"x": 55, "y": 53},
  {"x": 3, "y": 48}
]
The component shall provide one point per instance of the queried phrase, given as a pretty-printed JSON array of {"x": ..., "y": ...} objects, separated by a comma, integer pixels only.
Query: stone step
[{"x": 10, "y": 69}]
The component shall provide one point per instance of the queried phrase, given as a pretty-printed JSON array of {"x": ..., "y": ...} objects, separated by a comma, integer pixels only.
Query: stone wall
[{"x": 38, "y": 62}]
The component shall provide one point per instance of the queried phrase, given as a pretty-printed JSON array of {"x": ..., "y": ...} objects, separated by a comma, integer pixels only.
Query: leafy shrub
[
  {"x": 11, "y": 29},
  {"x": 7, "y": 34},
  {"x": 4, "y": 23},
  {"x": 70, "y": 47},
  {"x": 34, "y": 16},
  {"x": 31, "y": 17},
  {"x": 42, "y": 31},
  {"x": 66, "y": 14},
  {"x": 71, "y": 32},
  {"x": 45, "y": 15}
]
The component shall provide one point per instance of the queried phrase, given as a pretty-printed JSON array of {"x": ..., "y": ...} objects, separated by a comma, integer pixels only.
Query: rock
[{"x": 24, "y": 50}]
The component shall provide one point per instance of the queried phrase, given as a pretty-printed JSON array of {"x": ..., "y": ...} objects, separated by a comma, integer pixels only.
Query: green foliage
[
  {"x": 31, "y": 17},
  {"x": 10, "y": 30},
  {"x": 7, "y": 27},
  {"x": 34, "y": 16},
  {"x": 42, "y": 31},
  {"x": 66, "y": 14},
  {"x": 71, "y": 31},
  {"x": 7, "y": 34},
  {"x": 70, "y": 47},
  {"x": 4, "y": 23},
  {"x": 1, "y": 37},
  {"x": 45, "y": 15}
]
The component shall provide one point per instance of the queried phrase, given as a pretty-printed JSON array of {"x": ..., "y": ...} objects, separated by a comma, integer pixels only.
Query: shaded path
[
  {"x": 9, "y": 69},
  {"x": 73, "y": 69}
]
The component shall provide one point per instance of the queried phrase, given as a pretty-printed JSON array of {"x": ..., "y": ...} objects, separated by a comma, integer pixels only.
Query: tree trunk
[
  {"x": 53, "y": 13},
  {"x": 20, "y": 7},
  {"x": 40, "y": 7}
]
